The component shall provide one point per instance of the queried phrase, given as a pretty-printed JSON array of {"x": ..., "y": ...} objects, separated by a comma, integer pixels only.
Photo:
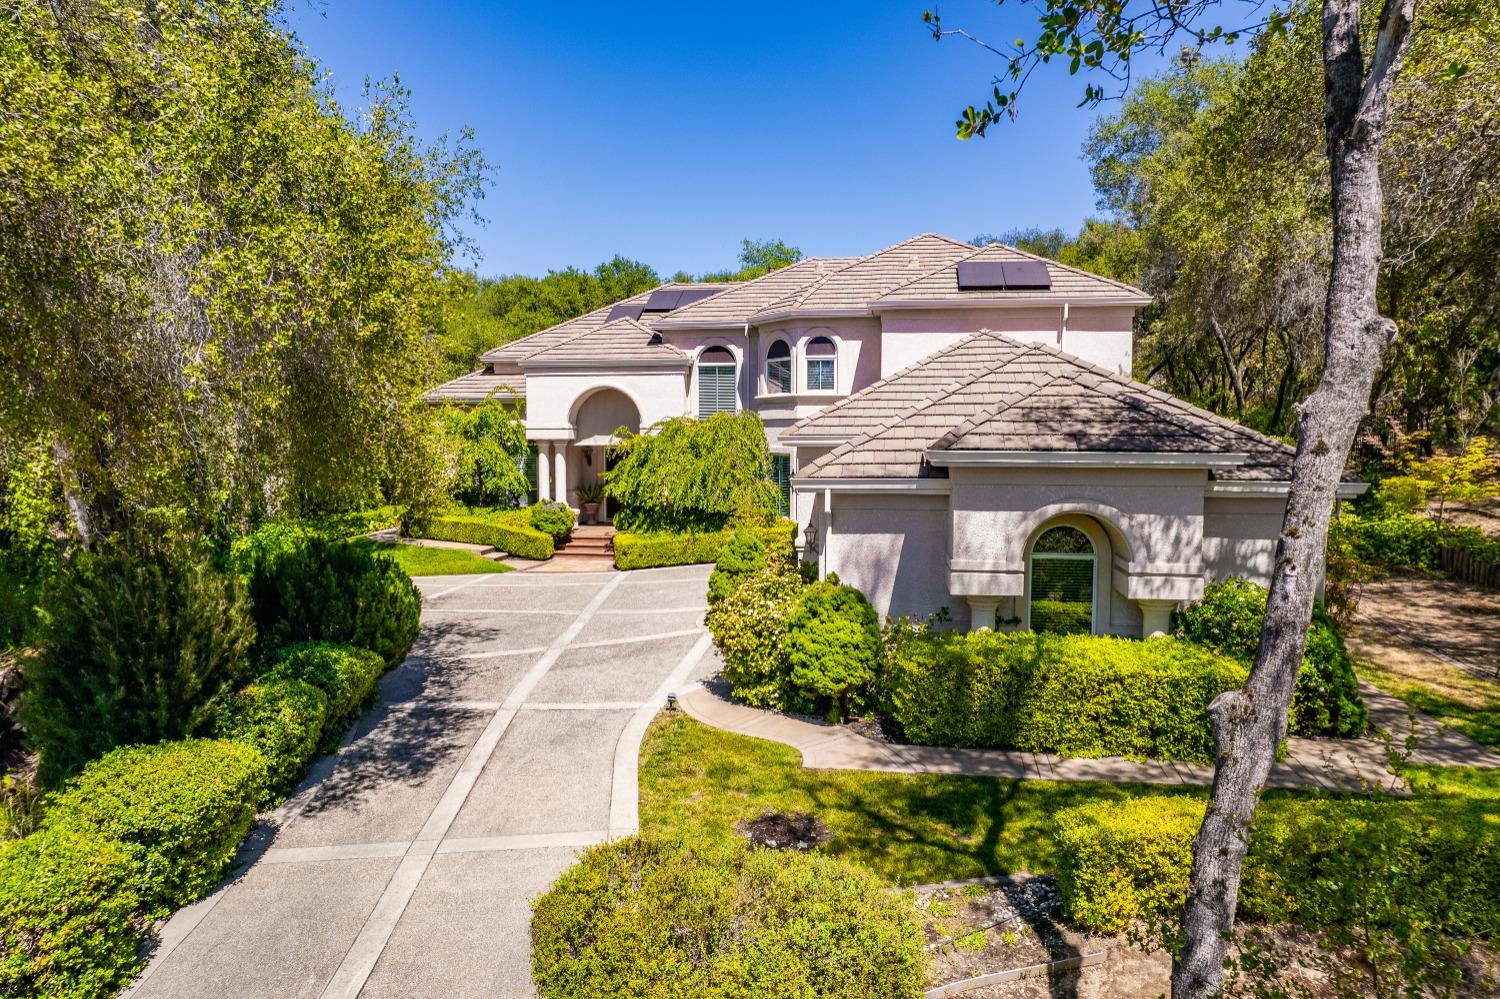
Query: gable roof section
[
  {"x": 478, "y": 386},
  {"x": 991, "y": 393},
  {"x": 623, "y": 341},
  {"x": 735, "y": 305},
  {"x": 1070, "y": 283},
  {"x": 852, "y": 288},
  {"x": 552, "y": 336}
]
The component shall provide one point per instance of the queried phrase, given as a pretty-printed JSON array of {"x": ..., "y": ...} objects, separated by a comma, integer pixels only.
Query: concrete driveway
[{"x": 406, "y": 864}]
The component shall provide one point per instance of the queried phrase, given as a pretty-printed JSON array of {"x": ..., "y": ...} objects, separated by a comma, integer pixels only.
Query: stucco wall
[
  {"x": 891, "y": 547},
  {"x": 552, "y": 397},
  {"x": 1239, "y": 536},
  {"x": 1100, "y": 335}
]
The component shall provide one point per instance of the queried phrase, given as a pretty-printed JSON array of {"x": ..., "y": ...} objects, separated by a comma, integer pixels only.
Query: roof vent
[{"x": 1003, "y": 275}]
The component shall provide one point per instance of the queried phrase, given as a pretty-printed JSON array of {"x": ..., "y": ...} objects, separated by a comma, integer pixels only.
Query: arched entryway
[
  {"x": 1062, "y": 599},
  {"x": 597, "y": 420}
]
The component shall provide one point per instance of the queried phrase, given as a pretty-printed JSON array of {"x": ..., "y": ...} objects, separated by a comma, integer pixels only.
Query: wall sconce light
[{"x": 810, "y": 540}]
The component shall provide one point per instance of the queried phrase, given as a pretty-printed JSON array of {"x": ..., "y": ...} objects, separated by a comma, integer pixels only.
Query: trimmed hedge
[
  {"x": 500, "y": 529},
  {"x": 311, "y": 588},
  {"x": 1077, "y": 695},
  {"x": 68, "y": 902},
  {"x": 643, "y": 918},
  {"x": 345, "y": 674},
  {"x": 180, "y": 808},
  {"x": 1325, "y": 700},
  {"x": 833, "y": 644},
  {"x": 1311, "y": 862},
  {"x": 651, "y": 551},
  {"x": 553, "y": 519},
  {"x": 283, "y": 718}
]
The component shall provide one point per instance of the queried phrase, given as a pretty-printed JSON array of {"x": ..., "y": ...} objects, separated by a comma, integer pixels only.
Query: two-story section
[{"x": 786, "y": 345}]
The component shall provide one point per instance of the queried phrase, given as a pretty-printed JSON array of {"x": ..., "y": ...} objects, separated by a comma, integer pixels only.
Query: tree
[
  {"x": 218, "y": 292},
  {"x": 758, "y": 257},
  {"x": 1360, "y": 66},
  {"x": 490, "y": 448}
]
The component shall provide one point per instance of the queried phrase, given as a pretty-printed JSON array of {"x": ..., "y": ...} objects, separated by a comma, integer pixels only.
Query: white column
[
  {"x": 544, "y": 470},
  {"x": 1156, "y": 617},
  {"x": 561, "y": 465},
  {"x": 982, "y": 613}
]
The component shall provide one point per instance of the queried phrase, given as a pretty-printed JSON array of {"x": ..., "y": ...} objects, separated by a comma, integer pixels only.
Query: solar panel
[
  {"x": 981, "y": 275},
  {"x": 663, "y": 300},
  {"x": 691, "y": 295},
  {"x": 1022, "y": 274},
  {"x": 623, "y": 312}
]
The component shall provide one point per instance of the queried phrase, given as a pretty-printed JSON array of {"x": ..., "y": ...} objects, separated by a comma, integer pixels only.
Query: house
[{"x": 952, "y": 427}]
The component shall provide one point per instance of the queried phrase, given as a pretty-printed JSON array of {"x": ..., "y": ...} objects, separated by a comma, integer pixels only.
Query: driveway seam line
[{"x": 364, "y": 953}]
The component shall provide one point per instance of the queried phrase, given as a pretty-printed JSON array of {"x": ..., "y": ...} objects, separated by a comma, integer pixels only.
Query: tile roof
[
  {"x": 478, "y": 386},
  {"x": 991, "y": 393},
  {"x": 735, "y": 305},
  {"x": 622, "y": 340},
  {"x": 941, "y": 284},
  {"x": 855, "y": 286},
  {"x": 518, "y": 350}
]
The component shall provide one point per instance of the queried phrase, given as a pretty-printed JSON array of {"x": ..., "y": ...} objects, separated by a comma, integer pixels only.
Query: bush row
[
  {"x": 1404, "y": 540},
  {"x": 1311, "y": 862},
  {"x": 505, "y": 530},
  {"x": 649, "y": 551},
  {"x": 1077, "y": 695},
  {"x": 643, "y": 918}
]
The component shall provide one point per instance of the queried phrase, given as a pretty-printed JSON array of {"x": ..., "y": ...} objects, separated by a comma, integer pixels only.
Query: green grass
[
  {"x": 1462, "y": 702},
  {"x": 696, "y": 782},
  {"x": 418, "y": 560}
]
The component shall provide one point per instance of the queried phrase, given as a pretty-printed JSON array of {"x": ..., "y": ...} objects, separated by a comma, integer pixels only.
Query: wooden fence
[{"x": 1466, "y": 567}]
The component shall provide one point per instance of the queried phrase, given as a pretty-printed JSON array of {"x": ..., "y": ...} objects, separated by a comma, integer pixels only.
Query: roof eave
[
  {"x": 897, "y": 304},
  {"x": 1085, "y": 459},
  {"x": 887, "y": 484},
  {"x": 604, "y": 363},
  {"x": 1275, "y": 487}
]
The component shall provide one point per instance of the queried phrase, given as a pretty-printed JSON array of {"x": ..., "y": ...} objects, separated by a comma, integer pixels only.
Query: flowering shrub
[{"x": 749, "y": 626}]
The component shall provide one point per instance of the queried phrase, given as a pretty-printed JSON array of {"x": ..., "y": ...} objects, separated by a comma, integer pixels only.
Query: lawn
[
  {"x": 696, "y": 782},
  {"x": 1463, "y": 702},
  {"x": 419, "y": 560}
]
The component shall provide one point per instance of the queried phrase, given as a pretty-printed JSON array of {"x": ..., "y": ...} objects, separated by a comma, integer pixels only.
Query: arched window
[
  {"x": 716, "y": 380},
  {"x": 820, "y": 357},
  {"x": 1062, "y": 582},
  {"x": 779, "y": 368}
]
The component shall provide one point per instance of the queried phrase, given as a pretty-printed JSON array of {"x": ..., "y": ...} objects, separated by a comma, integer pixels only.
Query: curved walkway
[
  {"x": 407, "y": 862},
  {"x": 1330, "y": 764}
]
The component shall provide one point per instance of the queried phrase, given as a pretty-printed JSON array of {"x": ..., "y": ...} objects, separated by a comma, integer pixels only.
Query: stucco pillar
[
  {"x": 1156, "y": 617},
  {"x": 561, "y": 467},
  {"x": 982, "y": 613},
  {"x": 544, "y": 470}
]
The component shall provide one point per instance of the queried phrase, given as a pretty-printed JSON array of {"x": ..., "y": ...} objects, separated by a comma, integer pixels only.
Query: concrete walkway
[
  {"x": 1329, "y": 764},
  {"x": 407, "y": 863}
]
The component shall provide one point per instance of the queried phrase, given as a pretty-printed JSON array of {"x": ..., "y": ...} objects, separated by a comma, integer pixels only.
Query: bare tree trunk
[
  {"x": 78, "y": 510},
  {"x": 1235, "y": 380},
  {"x": 1250, "y": 722}
]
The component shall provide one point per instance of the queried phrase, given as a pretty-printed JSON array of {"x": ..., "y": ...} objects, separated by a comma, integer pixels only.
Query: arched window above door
[
  {"x": 779, "y": 368},
  {"x": 1062, "y": 599}
]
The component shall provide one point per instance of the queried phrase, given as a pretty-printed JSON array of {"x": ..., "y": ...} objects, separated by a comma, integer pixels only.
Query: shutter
[
  {"x": 716, "y": 389},
  {"x": 781, "y": 474}
]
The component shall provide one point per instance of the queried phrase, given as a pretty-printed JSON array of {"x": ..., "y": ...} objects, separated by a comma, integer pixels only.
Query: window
[
  {"x": 716, "y": 382},
  {"x": 1062, "y": 582},
  {"x": 779, "y": 368},
  {"x": 781, "y": 474},
  {"x": 820, "y": 357}
]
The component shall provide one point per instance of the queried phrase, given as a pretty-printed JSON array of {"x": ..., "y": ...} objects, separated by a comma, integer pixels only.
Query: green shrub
[
  {"x": 1325, "y": 700},
  {"x": 650, "y": 551},
  {"x": 684, "y": 475},
  {"x": 1316, "y": 862},
  {"x": 180, "y": 807},
  {"x": 742, "y": 555},
  {"x": 334, "y": 591},
  {"x": 1078, "y": 695},
  {"x": 508, "y": 530},
  {"x": 143, "y": 637},
  {"x": 1406, "y": 540},
  {"x": 641, "y": 918},
  {"x": 750, "y": 629},
  {"x": 283, "y": 718},
  {"x": 555, "y": 520},
  {"x": 345, "y": 674},
  {"x": 833, "y": 644},
  {"x": 67, "y": 915}
]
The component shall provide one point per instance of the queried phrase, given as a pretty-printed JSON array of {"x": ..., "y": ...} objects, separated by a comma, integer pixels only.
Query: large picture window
[
  {"x": 1062, "y": 582},
  {"x": 716, "y": 378},
  {"x": 821, "y": 354},
  {"x": 779, "y": 368}
]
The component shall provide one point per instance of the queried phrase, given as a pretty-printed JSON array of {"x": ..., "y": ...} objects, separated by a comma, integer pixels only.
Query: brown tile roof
[
  {"x": 854, "y": 287},
  {"x": 736, "y": 304},
  {"x": 478, "y": 386},
  {"x": 991, "y": 393},
  {"x": 941, "y": 284},
  {"x": 518, "y": 350},
  {"x": 622, "y": 340}
]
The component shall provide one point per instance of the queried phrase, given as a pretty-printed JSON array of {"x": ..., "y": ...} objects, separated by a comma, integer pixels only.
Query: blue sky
[{"x": 669, "y": 132}]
